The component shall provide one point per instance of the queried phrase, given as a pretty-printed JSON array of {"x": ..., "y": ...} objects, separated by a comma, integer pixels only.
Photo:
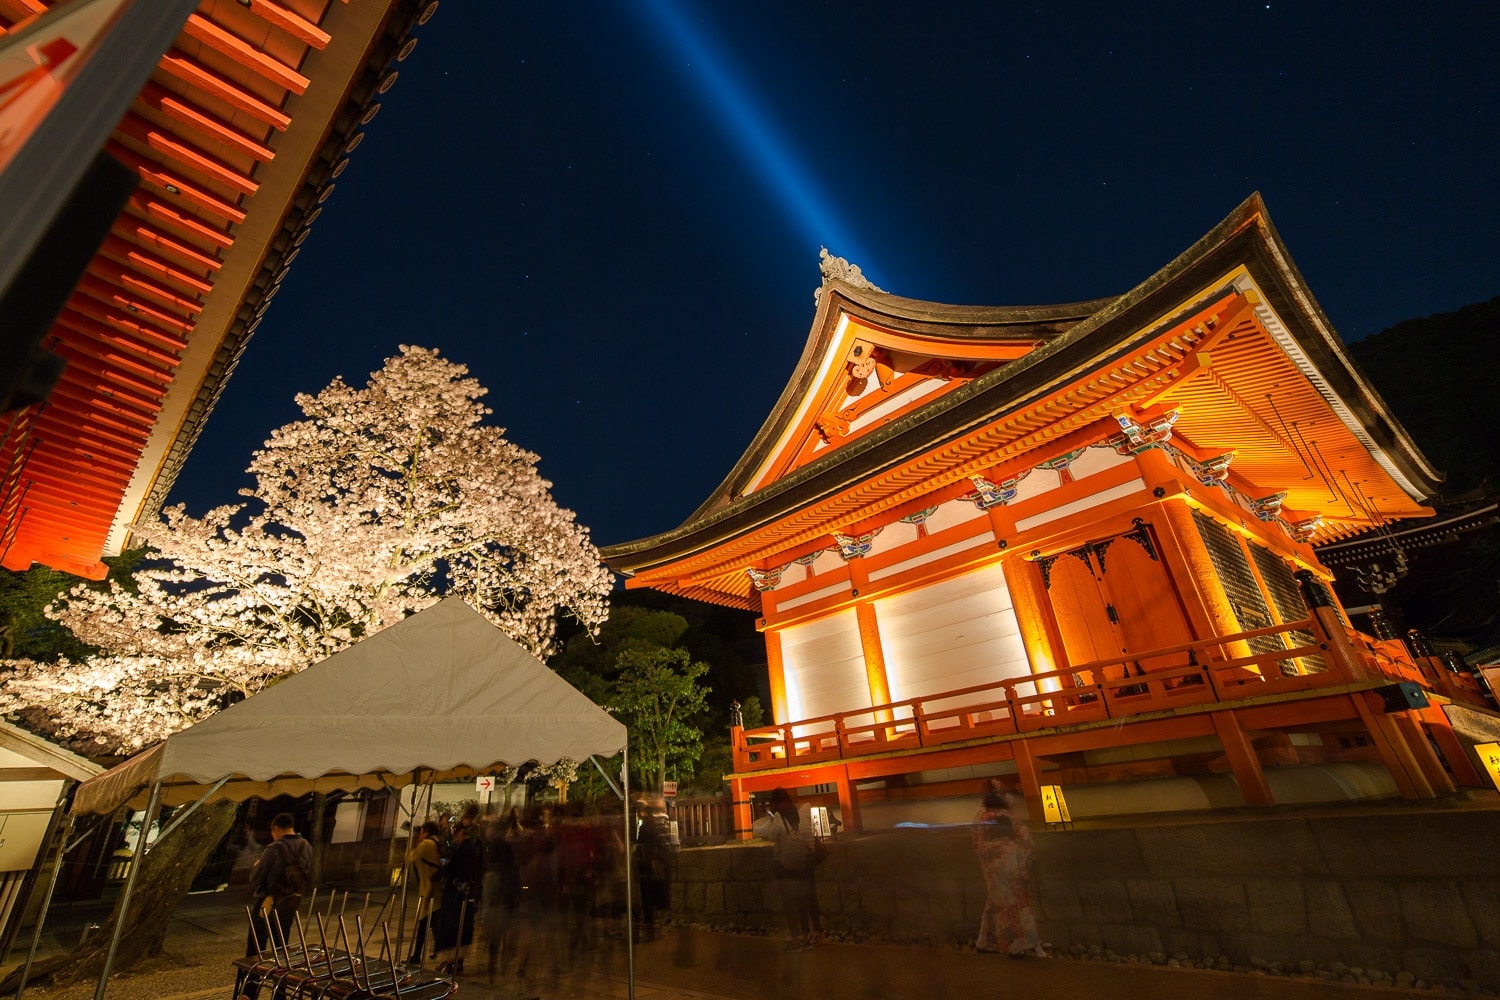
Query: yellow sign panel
[
  {"x": 1054, "y": 805},
  {"x": 1489, "y": 756}
]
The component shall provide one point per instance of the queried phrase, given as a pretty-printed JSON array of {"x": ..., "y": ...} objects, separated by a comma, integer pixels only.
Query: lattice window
[
  {"x": 1240, "y": 586},
  {"x": 1290, "y": 606}
]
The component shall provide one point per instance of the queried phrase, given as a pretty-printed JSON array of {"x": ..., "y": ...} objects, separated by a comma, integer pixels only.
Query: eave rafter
[{"x": 1284, "y": 435}]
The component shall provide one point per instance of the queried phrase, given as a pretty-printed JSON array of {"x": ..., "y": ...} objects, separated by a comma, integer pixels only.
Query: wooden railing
[{"x": 1102, "y": 689}]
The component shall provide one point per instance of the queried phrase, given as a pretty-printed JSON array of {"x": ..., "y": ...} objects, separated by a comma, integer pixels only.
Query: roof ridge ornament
[{"x": 839, "y": 269}]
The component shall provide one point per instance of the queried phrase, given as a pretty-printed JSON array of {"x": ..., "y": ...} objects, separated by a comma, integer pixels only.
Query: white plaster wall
[
  {"x": 824, "y": 667},
  {"x": 953, "y": 634},
  {"x": 1096, "y": 460},
  {"x": 951, "y": 513}
]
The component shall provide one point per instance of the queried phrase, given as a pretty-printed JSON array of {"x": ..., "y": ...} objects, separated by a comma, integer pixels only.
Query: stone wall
[{"x": 1415, "y": 892}]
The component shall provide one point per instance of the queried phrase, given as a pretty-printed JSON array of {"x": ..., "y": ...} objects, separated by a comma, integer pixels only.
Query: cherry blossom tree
[{"x": 379, "y": 502}]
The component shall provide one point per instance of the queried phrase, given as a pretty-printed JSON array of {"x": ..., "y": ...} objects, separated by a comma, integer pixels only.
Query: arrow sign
[{"x": 484, "y": 783}]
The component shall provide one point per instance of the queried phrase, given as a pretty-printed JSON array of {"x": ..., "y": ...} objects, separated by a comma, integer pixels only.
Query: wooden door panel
[
  {"x": 1079, "y": 608},
  {"x": 1136, "y": 583}
]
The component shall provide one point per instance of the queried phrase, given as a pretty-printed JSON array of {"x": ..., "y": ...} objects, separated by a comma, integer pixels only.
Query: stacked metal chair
[{"x": 323, "y": 972}]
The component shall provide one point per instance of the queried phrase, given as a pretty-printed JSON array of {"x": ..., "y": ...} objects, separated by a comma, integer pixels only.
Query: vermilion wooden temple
[
  {"x": 1073, "y": 542},
  {"x": 237, "y": 140}
]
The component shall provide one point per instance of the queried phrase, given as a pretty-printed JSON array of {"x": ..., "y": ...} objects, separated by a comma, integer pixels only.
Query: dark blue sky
[{"x": 612, "y": 211}]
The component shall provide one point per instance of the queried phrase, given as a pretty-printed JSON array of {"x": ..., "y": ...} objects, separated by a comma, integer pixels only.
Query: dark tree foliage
[
  {"x": 1439, "y": 375},
  {"x": 724, "y": 638},
  {"x": 25, "y": 630}
]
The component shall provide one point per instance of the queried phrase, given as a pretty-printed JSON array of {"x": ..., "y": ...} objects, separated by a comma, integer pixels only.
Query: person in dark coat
[
  {"x": 463, "y": 882},
  {"x": 276, "y": 884},
  {"x": 653, "y": 863},
  {"x": 502, "y": 894}
]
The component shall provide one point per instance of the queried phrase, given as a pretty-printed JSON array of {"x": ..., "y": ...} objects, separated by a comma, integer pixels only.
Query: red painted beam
[{"x": 206, "y": 123}]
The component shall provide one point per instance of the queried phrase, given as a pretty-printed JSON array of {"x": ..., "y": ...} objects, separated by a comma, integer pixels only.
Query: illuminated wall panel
[
  {"x": 953, "y": 634},
  {"x": 1097, "y": 460},
  {"x": 951, "y": 513},
  {"x": 825, "y": 669}
]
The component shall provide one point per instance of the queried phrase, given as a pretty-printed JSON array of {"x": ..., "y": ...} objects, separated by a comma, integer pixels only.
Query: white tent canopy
[{"x": 442, "y": 694}]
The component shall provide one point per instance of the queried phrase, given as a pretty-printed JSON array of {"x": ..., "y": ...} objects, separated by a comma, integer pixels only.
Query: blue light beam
[{"x": 734, "y": 109}]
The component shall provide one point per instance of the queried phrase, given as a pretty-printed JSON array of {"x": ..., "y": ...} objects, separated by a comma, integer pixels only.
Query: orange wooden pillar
[
  {"x": 1030, "y": 774},
  {"x": 848, "y": 802},
  {"x": 1421, "y": 750},
  {"x": 1338, "y": 652},
  {"x": 739, "y": 803},
  {"x": 1242, "y": 760},
  {"x": 1202, "y": 575},
  {"x": 874, "y": 656},
  {"x": 1391, "y": 744},
  {"x": 1033, "y": 614},
  {"x": 739, "y": 796},
  {"x": 777, "y": 675}
]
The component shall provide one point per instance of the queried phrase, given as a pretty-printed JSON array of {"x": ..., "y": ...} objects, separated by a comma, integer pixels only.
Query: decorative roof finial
[{"x": 839, "y": 269}]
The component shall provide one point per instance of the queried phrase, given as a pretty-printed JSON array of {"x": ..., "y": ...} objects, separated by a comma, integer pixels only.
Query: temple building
[
  {"x": 161, "y": 164},
  {"x": 1072, "y": 546}
]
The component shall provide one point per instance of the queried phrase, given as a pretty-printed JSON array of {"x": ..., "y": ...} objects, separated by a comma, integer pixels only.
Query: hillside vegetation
[{"x": 1440, "y": 374}]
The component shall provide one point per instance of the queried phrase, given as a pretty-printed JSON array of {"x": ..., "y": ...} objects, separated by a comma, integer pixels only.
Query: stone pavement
[{"x": 689, "y": 964}]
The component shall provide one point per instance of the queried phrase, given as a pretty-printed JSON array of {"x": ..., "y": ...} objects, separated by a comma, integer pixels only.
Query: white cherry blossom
[{"x": 378, "y": 503}]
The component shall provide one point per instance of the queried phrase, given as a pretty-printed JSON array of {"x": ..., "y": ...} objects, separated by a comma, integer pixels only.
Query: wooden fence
[{"x": 704, "y": 821}]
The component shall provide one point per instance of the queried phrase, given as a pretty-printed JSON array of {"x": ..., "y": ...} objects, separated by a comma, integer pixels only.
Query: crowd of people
[{"x": 529, "y": 887}]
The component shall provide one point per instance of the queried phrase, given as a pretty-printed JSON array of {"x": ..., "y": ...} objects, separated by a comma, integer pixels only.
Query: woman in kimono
[{"x": 1003, "y": 844}]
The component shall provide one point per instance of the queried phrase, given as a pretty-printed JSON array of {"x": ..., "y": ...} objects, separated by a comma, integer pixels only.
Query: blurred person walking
[
  {"x": 502, "y": 895},
  {"x": 426, "y": 861},
  {"x": 654, "y": 853},
  {"x": 795, "y": 854},
  {"x": 1003, "y": 844},
  {"x": 463, "y": 882}
]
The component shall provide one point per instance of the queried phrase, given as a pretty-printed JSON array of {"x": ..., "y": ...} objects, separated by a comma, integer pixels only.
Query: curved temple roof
[{"x": 1227, "y": 335}]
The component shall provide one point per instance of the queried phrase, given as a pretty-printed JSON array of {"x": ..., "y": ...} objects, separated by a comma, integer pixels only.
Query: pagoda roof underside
[
  {"x": 236, "y": 139},
  {"x": 1227, "y": 336}
]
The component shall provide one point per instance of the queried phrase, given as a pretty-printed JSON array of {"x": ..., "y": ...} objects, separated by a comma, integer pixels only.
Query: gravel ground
[{"x": 195, "y": 963}]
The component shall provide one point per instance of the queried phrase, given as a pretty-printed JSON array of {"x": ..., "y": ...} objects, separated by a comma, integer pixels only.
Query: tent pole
[
  {"x": 629, "y": 864},
  {"x": 34, "y": 871},
  {"x": 152, "y": 807},
  {"x": 41, "y": 917},
  {"x": 184, "y": 814},
  {"x": 411, "y": 837},
  {"x": 605, "y": 775}
]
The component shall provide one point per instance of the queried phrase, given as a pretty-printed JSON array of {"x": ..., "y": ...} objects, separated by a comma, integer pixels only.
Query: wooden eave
[
  {"x": 54, "y": 761},
  {"x": 1448, "y": 526},
  {"x": 1147, "y": 347},
  {"x": 236, "y": 139}
]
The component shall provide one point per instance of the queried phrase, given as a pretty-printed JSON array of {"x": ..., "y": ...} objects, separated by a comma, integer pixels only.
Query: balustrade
[{"x": 1103, "y": 689}]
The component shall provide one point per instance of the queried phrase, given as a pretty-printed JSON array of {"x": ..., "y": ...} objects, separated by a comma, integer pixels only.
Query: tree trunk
[
  {"x": 166, "y": 875},
  {"x": 315, "y": 837}
]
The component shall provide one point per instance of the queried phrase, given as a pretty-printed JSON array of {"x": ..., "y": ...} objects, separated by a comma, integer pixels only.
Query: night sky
[{"x": 611, "y": 211}]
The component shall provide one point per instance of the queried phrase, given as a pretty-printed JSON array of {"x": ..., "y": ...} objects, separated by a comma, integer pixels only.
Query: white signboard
[
  {"x": 485, "y": 783},
  {"x": 669, "y": 789}
]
